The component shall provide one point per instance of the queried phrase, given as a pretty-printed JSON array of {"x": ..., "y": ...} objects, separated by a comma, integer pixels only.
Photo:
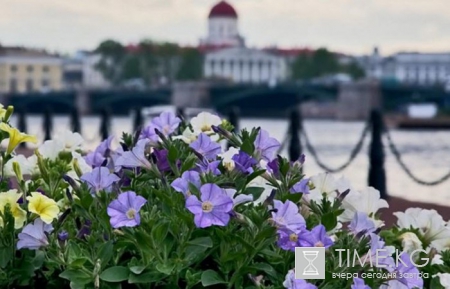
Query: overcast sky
[{"x": 349, "y": 26}]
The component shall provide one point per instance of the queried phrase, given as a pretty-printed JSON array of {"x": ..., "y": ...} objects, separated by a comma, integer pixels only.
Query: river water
[{"x": 427, "y": 153}]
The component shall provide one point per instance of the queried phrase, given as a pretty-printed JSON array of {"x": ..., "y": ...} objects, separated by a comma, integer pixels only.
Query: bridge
[{"x": 258, "y": 100}]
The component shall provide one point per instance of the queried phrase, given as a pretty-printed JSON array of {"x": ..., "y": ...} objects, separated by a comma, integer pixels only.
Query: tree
[
  {"x": 191, "y": 67},
  {"x": 112, "y": 56}
]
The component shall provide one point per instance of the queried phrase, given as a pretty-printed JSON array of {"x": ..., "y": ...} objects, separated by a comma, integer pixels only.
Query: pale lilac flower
[
  {"x": 407, "y": 274},
  {"x": 287, "y": 216},
  {"x": 291, "y": 283},
  {"x": 384, "y": 253},
  {"x": 266, "y": 146},
  {"x": 33, "y": 236},
  {"x": 63, "y": 236},
  {"x": 358, "y": 283},
  {"x": 182, "y": 184},
  {"x": 204, "y": 166},
  {"x": 288, "y": 239},
  {"x": 99, "y": 179},
  {"x": 240, "y": 198},
  {"x": 244, "y": 162},
  {"x": 135, "y": 158},
  {"x": 213, "y": 209},
  {"x": 301, "y": 187},
  {"x": 362, "y": 224},
  {"x": 98, "y": 156},
  {"x": 124, "y": 211},
  {"x": 317, "y": 237},
  {"x": 167, "y": 122},
  {"x": 206, "y": 147}
]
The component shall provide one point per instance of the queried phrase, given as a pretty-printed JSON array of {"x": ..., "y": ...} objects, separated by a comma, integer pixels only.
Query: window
[
  {"x": 45, "y": 68},
  {"x": 13, "y": 85},
  {"x": 29, "y": 85},
  {"x": 30, "y": 68},
  {"x": 13, "y": 68},
  {"x": 45, "y": 83}
]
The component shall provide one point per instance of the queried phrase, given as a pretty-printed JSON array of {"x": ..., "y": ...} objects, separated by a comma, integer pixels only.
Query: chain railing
[
  {"x": 398, "y": 157},
  {"x": 355, "y": 151}
]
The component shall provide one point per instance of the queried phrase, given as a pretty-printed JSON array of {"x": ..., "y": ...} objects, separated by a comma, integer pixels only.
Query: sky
[{"x": 347, "y": 26}]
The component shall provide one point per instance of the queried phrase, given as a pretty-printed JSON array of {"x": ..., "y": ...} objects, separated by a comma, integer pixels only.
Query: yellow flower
[
  {"x": 16, "y": 137},
  {"x": 11, "y": 197},
  {"x": 2, "y": 111},
  {"x": 43, "y": 206}
]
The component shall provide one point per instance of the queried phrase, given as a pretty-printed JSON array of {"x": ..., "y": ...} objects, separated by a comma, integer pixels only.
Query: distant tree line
[
  {"x": 322, "y": 63},
  {"x": 148, "y": 61}
]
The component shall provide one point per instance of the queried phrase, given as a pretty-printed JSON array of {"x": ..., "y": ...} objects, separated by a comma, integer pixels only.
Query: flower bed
[{"x": 171, "y": 208}]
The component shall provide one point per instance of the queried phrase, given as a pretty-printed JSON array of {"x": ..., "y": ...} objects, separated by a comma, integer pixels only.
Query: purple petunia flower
[
  {"x": 135, "y": 158},
  {"x": 266, "y": 146},
  {"x": 291, "y": 283},
  {"x": 358, "y": 283},
  {"x": 407, "y": 274},
  {"x": 63, "y": 236},
  {"x": 182, "y": 184},
  {"x": 85, "y": 229},
  {"x": 124, "y": 211},
  {"x": 378, "y": 248},
  {"x": 300, "y": 187},
  {"x": 317, "y": 237},
  {"x": 287, "y": 216},
  {"x": 167, "y": 122},
  {"x": 99, "y": 179},
  {"x": 206, "y": 147},
  {"x": 273, "y": 167},
  {"x": 244, "y": 162},
  {"x": 33, "y": 236},
  {"x": 98, "y": 156},
  {"x": 239, "y": 199},
  {"x": 213, "y": 209},
  {"x": 288, "y": 240},
  {"x": 161, "y": 160},
  {"x": 361, "y": 224},
  {"x": 204, "y": 166}
]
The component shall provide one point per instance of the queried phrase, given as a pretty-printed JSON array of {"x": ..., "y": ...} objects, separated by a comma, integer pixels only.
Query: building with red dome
[{"x": 228, "y": 58}]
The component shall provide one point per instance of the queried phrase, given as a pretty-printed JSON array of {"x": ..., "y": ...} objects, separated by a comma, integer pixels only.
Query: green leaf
[
  {"x": 265, "y": 268},
  {"x": 211, "y": 277},
  {"x": 115, "y": 274},
  {"x": 5, "y": 256},
  {"x": 329, "y": 220},
  {"x": 165, "y": 268},
  {"x": 105, "y": 252},
  {"x": 137, "y": 269},
  {"x": 149, "y": 277},
  {"x": 77, "y": 277},
  {"x": 78, "y": 263},
  {"x": 254, "y": 191},
  {"x": 295, "y": 198},
  {"x": 202, "y": 242},
  {"x": 172, "y": 154}
]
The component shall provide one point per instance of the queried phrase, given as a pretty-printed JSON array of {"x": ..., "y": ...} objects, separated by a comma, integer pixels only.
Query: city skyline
[{"x": 348, "y": 26}]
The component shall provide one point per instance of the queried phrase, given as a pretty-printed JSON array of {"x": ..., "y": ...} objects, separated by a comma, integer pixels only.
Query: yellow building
[{"x": 23, "y": 71}]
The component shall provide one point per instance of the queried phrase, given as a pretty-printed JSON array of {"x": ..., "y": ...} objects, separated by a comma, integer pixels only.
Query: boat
[
  {"x": 423, "y": 116},
  {"x": 188, "y": 112}
]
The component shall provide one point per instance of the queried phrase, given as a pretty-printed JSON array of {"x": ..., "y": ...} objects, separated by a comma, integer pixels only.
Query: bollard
[
  {"x": 22, "y": 124},
  {"x": 233, "y": 118},
  {"x": 295, "y": 126},
  {"x": 180, "y": 113},
  {"x": 137, "y": 122},
  {"x": 377, "y": 175},
  {"x": 105, "y": 124},
  {"x": 48, "y": 124},
  {"x": 75, "y": 120}
]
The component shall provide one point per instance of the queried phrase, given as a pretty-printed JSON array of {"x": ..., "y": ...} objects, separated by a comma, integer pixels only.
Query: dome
[{"x": 223, "y": 9}]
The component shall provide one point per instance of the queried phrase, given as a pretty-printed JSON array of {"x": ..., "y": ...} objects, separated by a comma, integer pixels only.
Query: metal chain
[
  {"x": 356, "y": 150},
  {"x": 398, "y": 157}
]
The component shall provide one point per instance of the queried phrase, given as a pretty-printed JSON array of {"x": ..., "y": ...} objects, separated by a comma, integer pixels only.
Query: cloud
[{"x": 347, "y": 25}]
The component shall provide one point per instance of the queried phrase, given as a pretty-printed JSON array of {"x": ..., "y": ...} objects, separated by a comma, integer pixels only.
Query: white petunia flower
[
  {"x": 28, "y": 166},
  {"x": 430, "y": 224},
  {"x": 227, "y": 158},
  {"x": 410, "y": 242},
  {"x": 437, "y": 260},
  {"x": 203, "y": 122},
  {"x": 239, "y": 199},
  {"x": 367, "y": 201},
  {"x": 323, "y": 183},
  {"x": 50, "y": 149},
  {"x": 444, "y": 279},
  {"x": 71, "y": 140}
]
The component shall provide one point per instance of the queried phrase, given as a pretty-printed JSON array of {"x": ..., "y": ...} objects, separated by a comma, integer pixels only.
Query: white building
[
  {"x": 409, "y": 67},
  {"x": 92, "y": 78},
  {"x": 228, "y": 58}
]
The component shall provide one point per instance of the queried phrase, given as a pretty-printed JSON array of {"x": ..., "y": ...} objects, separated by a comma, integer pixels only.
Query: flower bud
[
  {"x": 76, "y": 168},
  {"x": 9, "y": 112},
  {"x": 17, "y": 171}
]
